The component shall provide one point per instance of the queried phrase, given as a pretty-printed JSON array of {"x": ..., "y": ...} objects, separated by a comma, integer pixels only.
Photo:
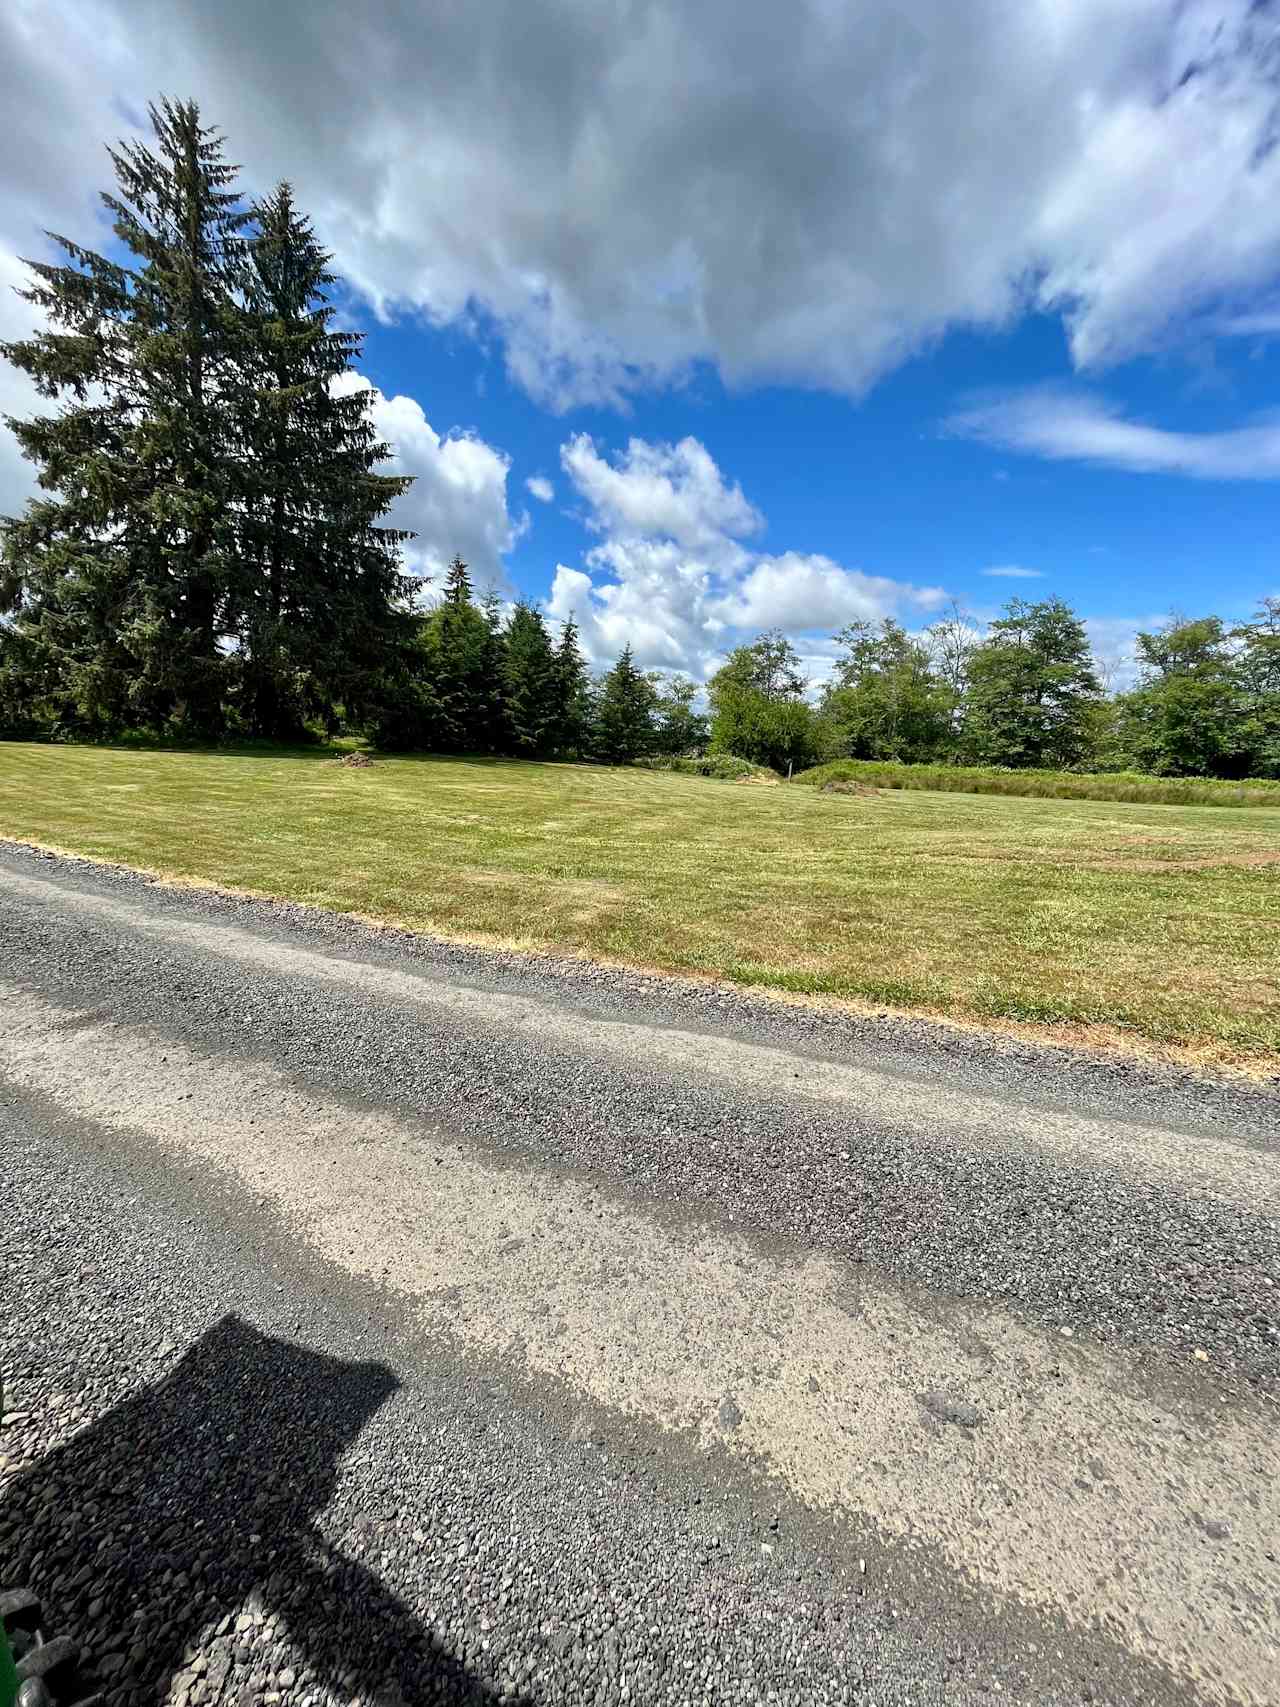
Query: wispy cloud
[
  {"x": 1263, "y": 324},
  {"x": 540, "y": 487},
  {"x": 1014, "y": 572},
  {"x": 1071, "y": 426}
]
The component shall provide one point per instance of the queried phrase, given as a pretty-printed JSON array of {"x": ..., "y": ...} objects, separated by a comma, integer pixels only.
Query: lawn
[{"x": 1151, "y": 923}]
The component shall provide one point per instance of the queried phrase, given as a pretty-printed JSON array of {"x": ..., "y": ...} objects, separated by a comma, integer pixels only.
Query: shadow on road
[{"x": 193, "y": 1502}]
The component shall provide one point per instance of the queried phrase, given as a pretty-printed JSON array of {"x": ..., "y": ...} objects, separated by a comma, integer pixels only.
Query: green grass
[
  {"x": 1161, "y": 921},
  {"x": 1130, "y": 786}
]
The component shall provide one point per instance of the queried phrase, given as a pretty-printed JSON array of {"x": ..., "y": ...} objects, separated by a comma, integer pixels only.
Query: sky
[{"x": 693, "y": 320}]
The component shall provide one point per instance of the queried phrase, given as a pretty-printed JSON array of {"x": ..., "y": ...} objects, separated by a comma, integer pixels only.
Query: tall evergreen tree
[
  {"x": 572, "y": 699},
  {"x": 529, "y": 684},
  {"x": 624, "y": 713},
  {"x": 493, "y": 705},
  {"x": 1032, "y": 689},
  {"x": 320, "y": 593},
  {"x": 117, "y": 576},
  {"x": 457, "y": 644}
]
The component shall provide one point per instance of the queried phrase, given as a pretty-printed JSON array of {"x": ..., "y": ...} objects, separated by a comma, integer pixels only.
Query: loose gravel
[
  {"x": 1110, "y": 1251},
  {"x": 239, "y": 1475},
  {"x": 236, "y": 1479}
]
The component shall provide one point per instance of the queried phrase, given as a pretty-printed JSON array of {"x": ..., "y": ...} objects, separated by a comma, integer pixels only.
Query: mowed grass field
[{"x": 1148, "y": 923}]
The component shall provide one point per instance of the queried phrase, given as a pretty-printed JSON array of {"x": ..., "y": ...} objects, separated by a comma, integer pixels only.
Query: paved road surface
[{"x": 388, "y": 1321}]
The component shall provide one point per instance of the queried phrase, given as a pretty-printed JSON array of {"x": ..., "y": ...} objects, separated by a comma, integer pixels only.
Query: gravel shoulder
[{"x": 993, "y": 1330}]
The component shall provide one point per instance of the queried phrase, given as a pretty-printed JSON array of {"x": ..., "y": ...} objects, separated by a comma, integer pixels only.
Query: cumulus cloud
[
  {"x": 457, "y": 504},
  {"x": 672, "y": 490},
  {"x": 1066, "y": 426},
  {"x": 808, "y": 200},
  {"x": 673, "y": 574},
  {"x": 801, "y": 592},
  {"x": 1013, "y": 572},
  {"x": 539, "y": 487}
]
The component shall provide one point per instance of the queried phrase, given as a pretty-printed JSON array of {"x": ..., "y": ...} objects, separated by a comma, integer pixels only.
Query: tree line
[
  {"x": 208, "y": 556},
  {"x": 1025, "y": 692}
]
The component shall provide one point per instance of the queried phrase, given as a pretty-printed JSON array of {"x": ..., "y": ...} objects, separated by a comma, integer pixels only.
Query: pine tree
[
  {"x": 492, "y": 710},
  {"x": 457, "y": 642},
  {"x": 117, "y": 575},
  {"x": 320, "y": 591},
  {"x": 529, "y": 682},
  {"x": 624, "y": 713},
  {"x": 572, "y": 698}
]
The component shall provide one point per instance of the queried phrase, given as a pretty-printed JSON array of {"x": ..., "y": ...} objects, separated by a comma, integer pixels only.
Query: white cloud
[
  {"x": 673, "y": 490},
  {"x": 457, "y": 504},
  {"x": 1263, "y": 324},
  {"x": 539, "y": 487},
  {"x": 1066, "y": 426},
  {"x": 1013, "y": 572},
  {"x": 18, "y": 396},
  {"x": 802, "y": 592},
  {"x": 674, "y": 577},
  {"x": 808, "y": 200}
]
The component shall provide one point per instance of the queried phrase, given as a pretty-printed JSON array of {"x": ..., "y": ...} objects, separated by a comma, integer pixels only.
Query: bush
[{"x": 1045, "y": 785}]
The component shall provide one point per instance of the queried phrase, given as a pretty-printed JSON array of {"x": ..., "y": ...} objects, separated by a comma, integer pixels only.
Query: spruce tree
[
  {"x": 457, "y": 641},
  {"x": 572, "y": 695},
  {"x": 320, "y": 590},
  {"x": 492, "y": 710},
  {"x": 117, "y": 576},
  {"x": 529, "y": 683},
  {"x": 624, "y": 713}
]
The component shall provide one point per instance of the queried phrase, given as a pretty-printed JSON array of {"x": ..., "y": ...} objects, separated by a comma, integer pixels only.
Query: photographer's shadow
[{"x": 197, "y": 1497}]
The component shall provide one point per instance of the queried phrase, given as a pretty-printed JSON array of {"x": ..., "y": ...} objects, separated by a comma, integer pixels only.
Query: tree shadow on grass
[{"x": 195, "y": 1500}]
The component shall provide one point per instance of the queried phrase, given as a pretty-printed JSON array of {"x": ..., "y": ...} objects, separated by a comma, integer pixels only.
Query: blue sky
[
  {"x": 803, "y": 318},
  {"x": 881, "y": 482}
]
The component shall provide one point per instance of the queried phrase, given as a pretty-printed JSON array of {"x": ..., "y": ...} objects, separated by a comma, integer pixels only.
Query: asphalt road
[{"x": 388, "y": 1321}]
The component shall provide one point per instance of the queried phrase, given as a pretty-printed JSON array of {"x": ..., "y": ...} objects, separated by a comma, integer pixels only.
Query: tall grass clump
[
  {"x": 723, "y": 767},
  {"x": 1046, "y": 785}
]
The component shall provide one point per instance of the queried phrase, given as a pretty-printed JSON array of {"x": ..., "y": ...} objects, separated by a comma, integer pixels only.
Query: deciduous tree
[{"x": 1032, "y": 687}]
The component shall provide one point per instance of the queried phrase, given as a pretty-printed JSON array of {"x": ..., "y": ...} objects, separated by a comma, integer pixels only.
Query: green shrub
[{"x": 1045, "y": 785}]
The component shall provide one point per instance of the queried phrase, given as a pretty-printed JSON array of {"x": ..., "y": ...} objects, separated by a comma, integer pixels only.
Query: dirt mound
[
  {"x": 758, "y": 779},
  {"x": 356, "y": 761},
  {"x": 861, "y": 788}
]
